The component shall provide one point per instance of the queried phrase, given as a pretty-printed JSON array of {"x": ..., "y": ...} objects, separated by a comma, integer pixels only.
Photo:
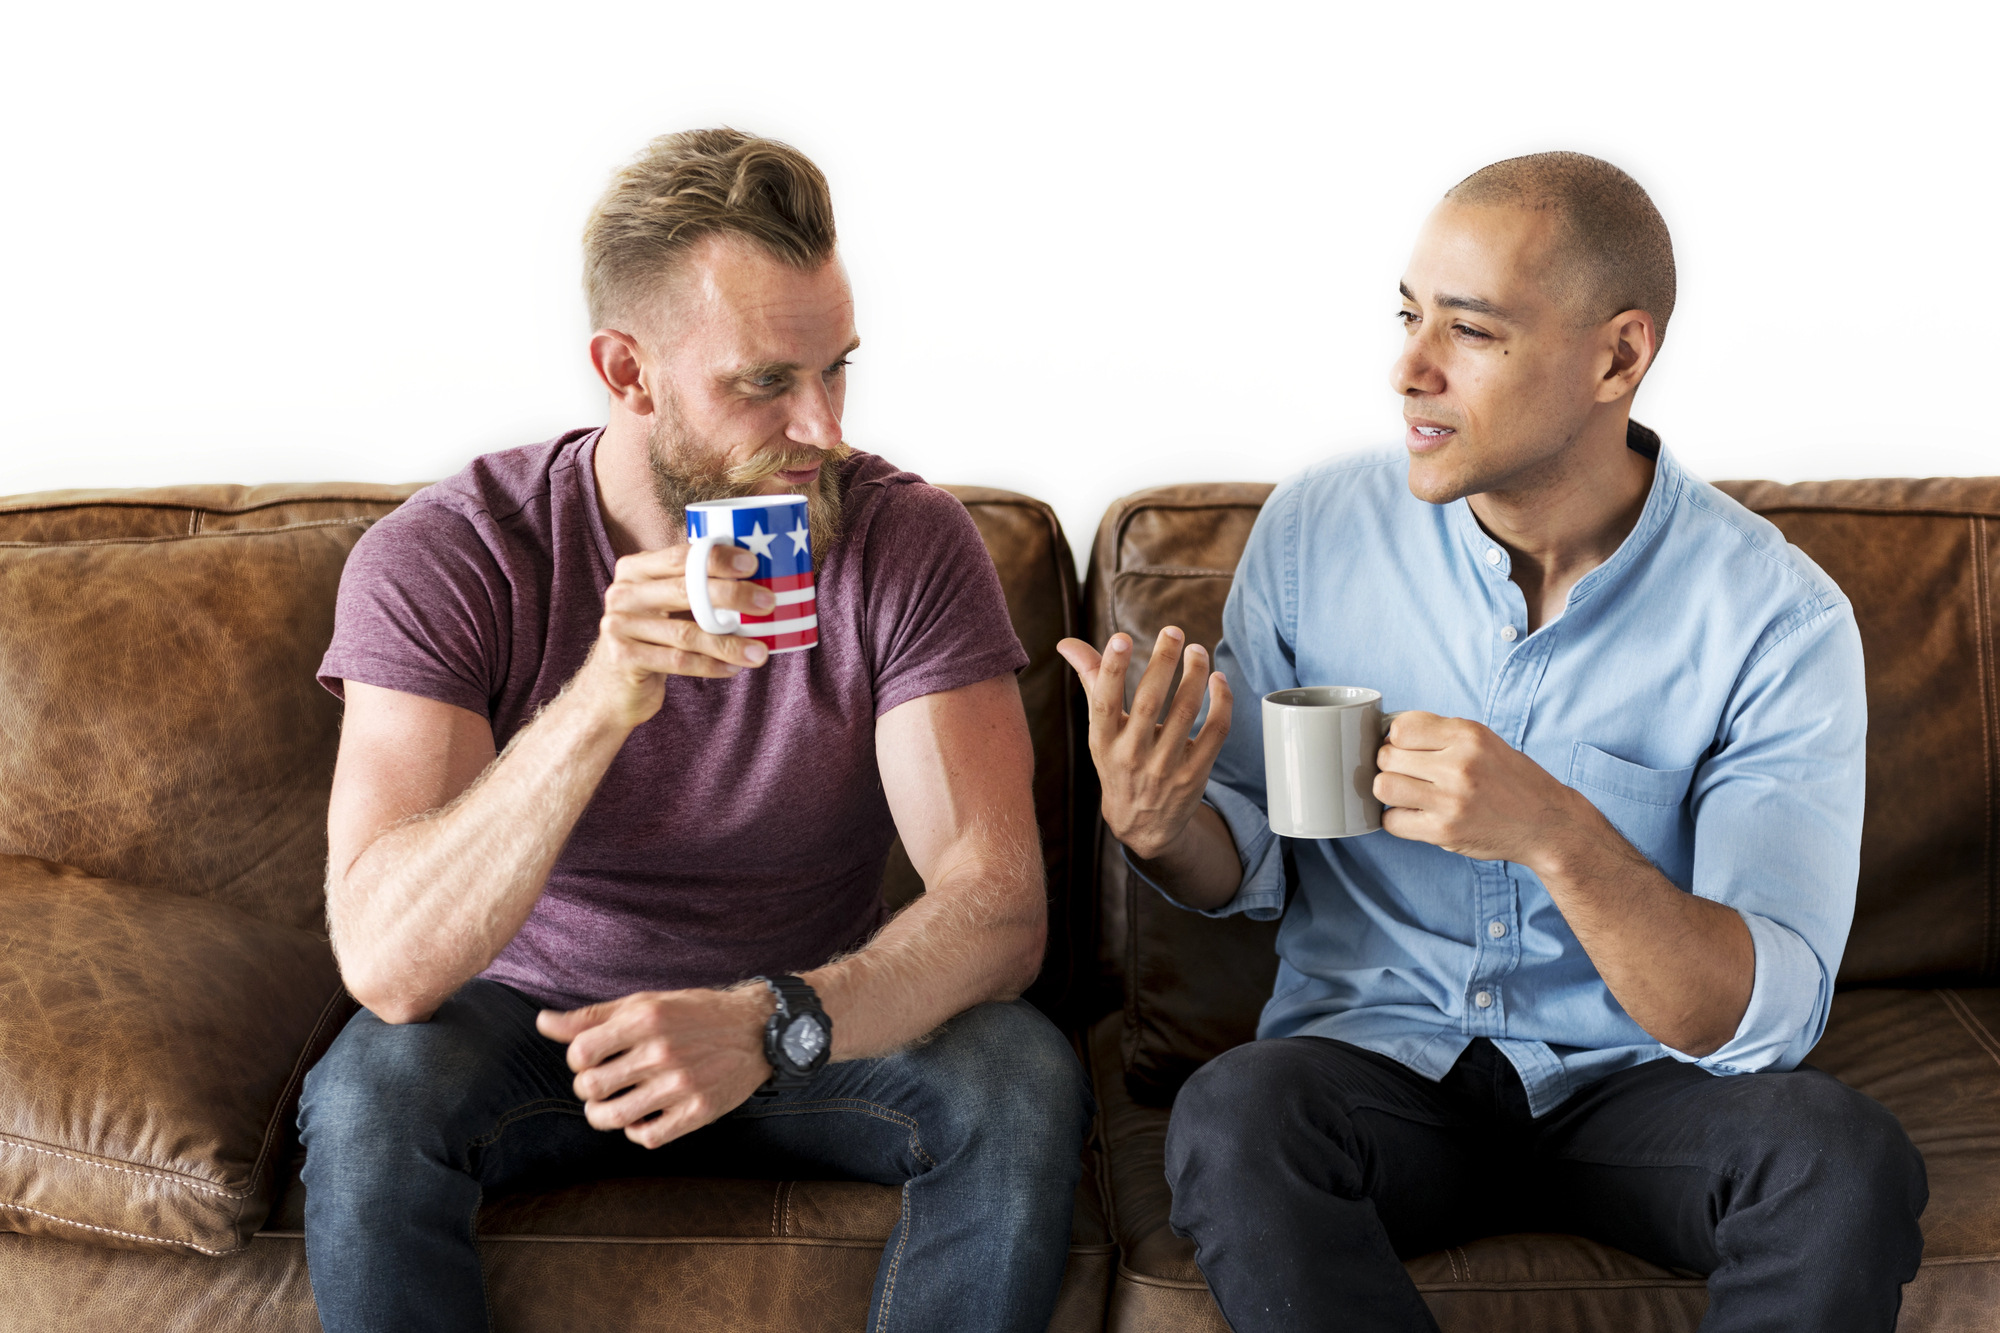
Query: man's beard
[{"x": 685, "y": 473}]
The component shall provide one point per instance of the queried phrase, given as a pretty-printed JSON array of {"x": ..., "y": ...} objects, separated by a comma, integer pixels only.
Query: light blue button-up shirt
[{"x": 1703, "y": 688}]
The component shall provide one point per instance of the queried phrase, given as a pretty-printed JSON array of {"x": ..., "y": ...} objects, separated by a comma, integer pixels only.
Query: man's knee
[
  {"x": 1228, "y": 1113},
  {"x": 381, "y": 1083},
  {"x": 1013, "y": 1080},
  {"x": 1827, "y": 1151},
  {"x": 1853, "y": 1151}
]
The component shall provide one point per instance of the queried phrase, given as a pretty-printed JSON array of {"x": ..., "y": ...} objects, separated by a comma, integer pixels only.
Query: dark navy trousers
[{"x": 1306, "y": 1169}]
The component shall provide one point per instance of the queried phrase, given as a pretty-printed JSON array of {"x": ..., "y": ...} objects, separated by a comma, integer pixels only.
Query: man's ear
[
  {"x": 615, "y": 356},
  {"x": 1631, "y": 339}
]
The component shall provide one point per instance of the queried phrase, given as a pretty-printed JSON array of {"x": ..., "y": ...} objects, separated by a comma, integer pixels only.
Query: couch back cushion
[
  {"x": 159, "y": 720},
  {"x": 1192, "y": 986},
  {"x": 150, "y": 1059},
  {"x": 1920, "y": 560}
]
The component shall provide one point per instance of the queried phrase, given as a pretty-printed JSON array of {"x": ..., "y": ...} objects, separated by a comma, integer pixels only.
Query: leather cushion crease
[{"x": 151, "y": 1059}]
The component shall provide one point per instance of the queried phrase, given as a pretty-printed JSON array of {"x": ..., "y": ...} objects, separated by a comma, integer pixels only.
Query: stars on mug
[
  {"x": 759, "y": 540},
  {"x": 799, "y": 537}
]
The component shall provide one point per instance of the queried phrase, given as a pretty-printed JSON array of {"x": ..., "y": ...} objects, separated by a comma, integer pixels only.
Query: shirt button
[
  {"x": 1484, "y": 999},
  {"x": 1508, "y": 632},
  {"x": 1496, "y": 928},
  {"x": 1492, "y": 555}
]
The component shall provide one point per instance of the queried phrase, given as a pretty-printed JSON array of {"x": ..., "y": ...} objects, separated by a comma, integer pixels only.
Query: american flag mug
[{"x": 773, "y": 526}]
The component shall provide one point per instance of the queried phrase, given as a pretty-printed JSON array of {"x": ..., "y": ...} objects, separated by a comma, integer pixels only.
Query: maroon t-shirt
[{"x": 742, "y": 830}]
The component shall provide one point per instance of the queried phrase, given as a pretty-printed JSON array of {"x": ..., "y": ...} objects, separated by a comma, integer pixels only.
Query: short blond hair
[{"x": 685, "y": 187}]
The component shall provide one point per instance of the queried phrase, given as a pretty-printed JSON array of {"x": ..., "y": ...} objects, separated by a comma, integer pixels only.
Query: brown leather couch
[
  {"x": 165, "y": 757},
  {"x": 1916, "y": 1023},
  {"x": 164, "y": 763}
]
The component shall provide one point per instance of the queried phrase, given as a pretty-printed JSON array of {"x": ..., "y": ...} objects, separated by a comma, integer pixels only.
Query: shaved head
[{"x": 1612, "y": 253}]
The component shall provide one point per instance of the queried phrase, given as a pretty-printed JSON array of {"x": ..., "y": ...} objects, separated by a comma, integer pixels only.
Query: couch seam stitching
[
  {"x": 1968, "y": 1020},
  {"x": 109, "y": 1231},
  {"x": 9, "y": 1141},
  {"x": 358, "y": 520},
  {"x": 114, "y": 502}
]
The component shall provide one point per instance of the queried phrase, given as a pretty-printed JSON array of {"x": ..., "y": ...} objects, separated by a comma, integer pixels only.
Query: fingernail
[
  {"x": 756, "y": 652},
  {"x": 1170, "y": 633},
  {"x": 744, "y": 562},
  {"x": 1119, "y": 643},
  {"x": 763, "y": 599}
]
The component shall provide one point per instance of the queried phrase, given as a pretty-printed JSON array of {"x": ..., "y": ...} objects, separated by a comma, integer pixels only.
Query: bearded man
[{"x": 582, "y": 851}]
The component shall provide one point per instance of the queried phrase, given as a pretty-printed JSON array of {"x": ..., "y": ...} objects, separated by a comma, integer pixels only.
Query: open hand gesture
[{"x": 1153, "y": 774}]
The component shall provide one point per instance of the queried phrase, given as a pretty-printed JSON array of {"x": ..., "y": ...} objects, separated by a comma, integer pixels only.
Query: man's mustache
[{"x": 770, "y": 462}]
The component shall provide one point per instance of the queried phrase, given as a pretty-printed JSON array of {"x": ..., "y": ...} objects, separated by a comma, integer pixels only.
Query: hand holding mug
[
  {"x": 647, "y": 634},
  {"x": 1153, "y": 773}
]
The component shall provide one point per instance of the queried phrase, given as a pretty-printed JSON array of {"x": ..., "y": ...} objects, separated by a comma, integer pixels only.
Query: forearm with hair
[
  {"x": 433, "y": 900},
  {"x": 975, "y": 935}
]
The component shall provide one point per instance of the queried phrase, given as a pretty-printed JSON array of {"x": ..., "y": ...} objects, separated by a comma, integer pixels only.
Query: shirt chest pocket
[{"x": 1647, "y": 805}]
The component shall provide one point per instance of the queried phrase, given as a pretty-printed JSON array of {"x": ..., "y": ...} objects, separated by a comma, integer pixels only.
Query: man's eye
[
  {"x": 766, "y": 381},
  {"x": 1471, "y": 332},
  {"x": 1409, "y": 318},
  {"x": 837, "y": 366}
]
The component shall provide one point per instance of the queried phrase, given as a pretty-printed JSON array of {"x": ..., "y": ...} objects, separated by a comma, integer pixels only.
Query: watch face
[{"x": 803, "y": 1041}]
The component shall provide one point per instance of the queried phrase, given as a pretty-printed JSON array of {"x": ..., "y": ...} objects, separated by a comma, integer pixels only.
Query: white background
[{"x": 1095, "y": 247}]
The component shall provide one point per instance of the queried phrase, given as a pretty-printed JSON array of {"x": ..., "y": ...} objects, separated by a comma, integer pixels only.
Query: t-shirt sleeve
[
  {"x": 420, "y": 610},
  {"x": 937, "y": 616}
]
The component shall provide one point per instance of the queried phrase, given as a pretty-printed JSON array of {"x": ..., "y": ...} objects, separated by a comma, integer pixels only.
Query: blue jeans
[{"x": 407, "y": 1127}]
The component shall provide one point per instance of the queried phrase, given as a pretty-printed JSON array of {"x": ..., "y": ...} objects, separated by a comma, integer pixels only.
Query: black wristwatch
[{"x": 798, "y": 1037}]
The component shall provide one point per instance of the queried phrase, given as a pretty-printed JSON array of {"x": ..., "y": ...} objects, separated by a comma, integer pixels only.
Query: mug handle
[
  {"x": 1388, "y": 719},
  {"x": 716, "y": 620}
]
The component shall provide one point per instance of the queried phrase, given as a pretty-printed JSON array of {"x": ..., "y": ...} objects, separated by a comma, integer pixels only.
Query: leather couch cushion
[
  {"x": 150, "y": 1058},
  {"x": 693, "y": 1255},
  {"x": 159, "y": 720},
  {"x": 1192, "y": 986},
  {"x": 1931, "y": 1056},
  {"x": 1920, "y": 560}
]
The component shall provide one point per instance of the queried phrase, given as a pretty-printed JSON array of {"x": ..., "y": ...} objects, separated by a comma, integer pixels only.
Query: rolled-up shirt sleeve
[
  {"x": 1259, "y": 625},
  {"x": 1777, "y": 814}
]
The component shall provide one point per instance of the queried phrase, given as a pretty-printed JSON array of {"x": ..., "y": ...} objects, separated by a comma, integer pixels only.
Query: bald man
[{"x": 1569, "y": 984}]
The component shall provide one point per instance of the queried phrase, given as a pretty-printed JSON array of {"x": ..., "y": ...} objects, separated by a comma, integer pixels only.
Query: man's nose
[
  {"x": 815, "y": 421},
  {"x": 1414, "y": 372}
]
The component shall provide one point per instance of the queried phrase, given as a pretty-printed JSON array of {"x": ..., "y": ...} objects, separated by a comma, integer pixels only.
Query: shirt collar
[{"x": 1668, "y": 482}]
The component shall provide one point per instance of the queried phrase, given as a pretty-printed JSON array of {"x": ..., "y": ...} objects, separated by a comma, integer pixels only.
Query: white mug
[
  {"x": 1319, "y": 760},
  {"x": 773, "y": 527}
]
